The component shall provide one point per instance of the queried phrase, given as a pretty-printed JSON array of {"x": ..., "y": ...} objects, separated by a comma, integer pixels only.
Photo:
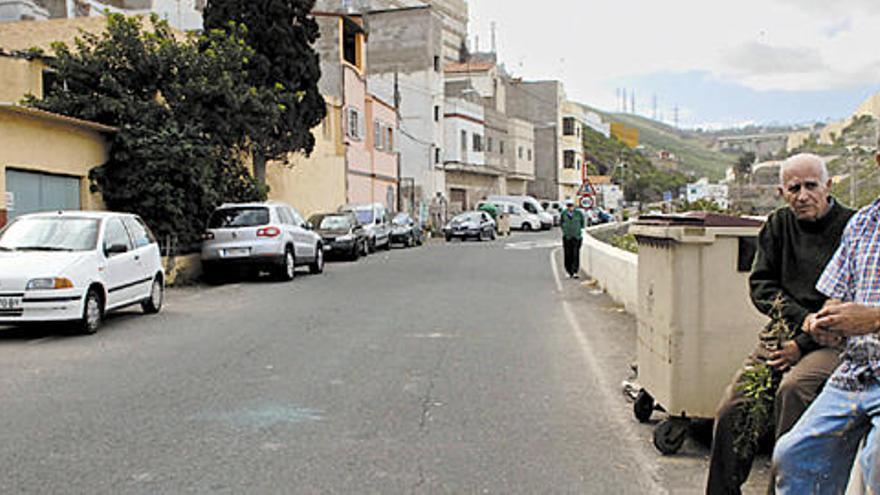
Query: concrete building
[
  {"x": 405, "y": 69},
  {"x": 574, "y": 119},
  {"x": 316, "y": 183},
  {"x": 369, "y": 122},
  {"x": 509, "y": 143},
  {"x": 520, "y": 150},
  {"x": 468, "y": 178},
  {"x": 762, "y": 145},
  {"x": 540, "y": 104},
  {"x": 454, "y": 20},
  {"x": 22, "y": 10},
  {"x": 182, "y": 14},
  {"x": 45, "y": 158},
  {"x": 703, "y": 190}
]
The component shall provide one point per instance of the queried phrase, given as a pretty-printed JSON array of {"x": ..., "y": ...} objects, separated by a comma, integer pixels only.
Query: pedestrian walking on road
[{"x": 572, "y": 223}]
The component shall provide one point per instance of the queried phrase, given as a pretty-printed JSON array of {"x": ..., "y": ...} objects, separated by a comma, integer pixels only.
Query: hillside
[{"x": 695, "y": 153}]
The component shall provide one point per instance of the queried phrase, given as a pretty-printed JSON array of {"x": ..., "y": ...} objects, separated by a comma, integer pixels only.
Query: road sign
[{"x": 587, "y": 202}]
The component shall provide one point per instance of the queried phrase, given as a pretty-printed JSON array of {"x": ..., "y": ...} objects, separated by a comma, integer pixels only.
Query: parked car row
[{"x": 77, "y": 266}]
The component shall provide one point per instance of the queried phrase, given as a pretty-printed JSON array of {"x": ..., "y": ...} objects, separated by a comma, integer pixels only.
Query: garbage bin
[{"x": 696, "y": 321}]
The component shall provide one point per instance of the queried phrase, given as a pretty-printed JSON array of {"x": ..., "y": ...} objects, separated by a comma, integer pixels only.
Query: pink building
[{"x": 370, "y": 124}]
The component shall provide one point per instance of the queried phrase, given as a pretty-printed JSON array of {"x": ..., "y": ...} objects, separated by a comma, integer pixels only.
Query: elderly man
[
  {"x": 793, "y": 247},
  {"x": 817, "y": 454}
]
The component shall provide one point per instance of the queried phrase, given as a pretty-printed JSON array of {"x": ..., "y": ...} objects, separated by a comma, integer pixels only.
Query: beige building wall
[
  {"x": 20, "y": 77},
  {"x": 797, "y": 139},
  {"x": 38, "y": 141},
  {"x": 316, "y": 183}
]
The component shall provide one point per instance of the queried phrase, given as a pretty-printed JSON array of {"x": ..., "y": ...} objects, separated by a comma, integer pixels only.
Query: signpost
[{"x": 587, "y": 194}]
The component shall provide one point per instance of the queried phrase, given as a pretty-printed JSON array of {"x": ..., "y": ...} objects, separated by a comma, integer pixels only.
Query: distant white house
[{"x": 702, "y": 189}]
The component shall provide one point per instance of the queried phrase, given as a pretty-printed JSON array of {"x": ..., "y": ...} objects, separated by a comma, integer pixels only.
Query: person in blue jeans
[{"x": 816, "y": 456}]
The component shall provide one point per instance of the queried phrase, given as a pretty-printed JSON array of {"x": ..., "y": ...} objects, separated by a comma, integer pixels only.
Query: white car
[{"x": 76, "y": 266}]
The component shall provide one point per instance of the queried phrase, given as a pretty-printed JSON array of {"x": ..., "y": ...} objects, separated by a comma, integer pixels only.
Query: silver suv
[{"x": 268, "y": 235}]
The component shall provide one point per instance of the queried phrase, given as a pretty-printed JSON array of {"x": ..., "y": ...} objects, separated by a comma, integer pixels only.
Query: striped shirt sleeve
[{"x": 836, "y": 281}]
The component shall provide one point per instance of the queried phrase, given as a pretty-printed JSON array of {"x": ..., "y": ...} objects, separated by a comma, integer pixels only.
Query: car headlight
[{"x": 49, "y": 283}]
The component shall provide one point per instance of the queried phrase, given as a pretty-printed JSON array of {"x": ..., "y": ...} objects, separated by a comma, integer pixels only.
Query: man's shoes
[{"x": 575, "y": 276}]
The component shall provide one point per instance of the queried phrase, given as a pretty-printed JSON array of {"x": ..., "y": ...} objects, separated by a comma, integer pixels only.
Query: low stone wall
[
  {"x": 182, "y": 270},
  {"x": 615, "y": 270}
]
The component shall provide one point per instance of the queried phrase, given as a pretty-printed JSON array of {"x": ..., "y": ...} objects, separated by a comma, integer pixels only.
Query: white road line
[
  {"x": 42, "y": 340},
  {"x": 646, "y": 467}
]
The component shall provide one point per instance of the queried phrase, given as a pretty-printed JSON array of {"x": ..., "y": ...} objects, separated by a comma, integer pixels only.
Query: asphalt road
[{"x": 451, "y": 368}]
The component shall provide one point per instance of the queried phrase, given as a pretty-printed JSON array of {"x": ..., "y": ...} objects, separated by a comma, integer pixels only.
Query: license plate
[
  {"x": 237, "y": 252},
  {"x": 328, "y": 247},
  {"x": 10, "y": 303}
]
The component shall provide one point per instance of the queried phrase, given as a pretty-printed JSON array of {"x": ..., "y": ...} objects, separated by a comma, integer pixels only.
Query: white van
[
  {"x": 519, "y": 218},
  {"x": 529, "y": 204}
]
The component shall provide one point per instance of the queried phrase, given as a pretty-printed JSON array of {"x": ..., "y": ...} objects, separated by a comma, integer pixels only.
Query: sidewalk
[{"x": 613, "y": 331}]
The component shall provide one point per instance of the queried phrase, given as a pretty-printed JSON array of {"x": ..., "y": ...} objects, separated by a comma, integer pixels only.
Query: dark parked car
[
  {"x": 342, "y": 234},
  {"x": 406, "y": 230},
  {"x": 470, "y": 225}
]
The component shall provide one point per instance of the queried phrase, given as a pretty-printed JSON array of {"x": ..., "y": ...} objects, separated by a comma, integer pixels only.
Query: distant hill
[{"x": 694, "y": 152}]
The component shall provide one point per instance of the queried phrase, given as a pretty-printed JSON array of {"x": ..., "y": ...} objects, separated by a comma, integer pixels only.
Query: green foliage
[
  {"x": 281, "y": 33},
  {"x": 185, "y": 114},
  {"x": 627, "y": 242},
  {"x": 758, "y": 386},
  {"x": 692, "y": 150},
  {"x": 743, "y": 167},
  {"x": 704, "y": 204},
  {"x": 641, "y": 180}
]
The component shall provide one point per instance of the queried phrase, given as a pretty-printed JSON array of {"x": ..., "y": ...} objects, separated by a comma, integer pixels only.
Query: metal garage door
[{"x": 31, "y": 191}]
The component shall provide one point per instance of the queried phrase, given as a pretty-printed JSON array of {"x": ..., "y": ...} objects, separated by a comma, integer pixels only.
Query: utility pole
[
  {"x": 676, "y": 116},
  {"x": 654, "y": 105},
  {"x": 632, "y": 102}
]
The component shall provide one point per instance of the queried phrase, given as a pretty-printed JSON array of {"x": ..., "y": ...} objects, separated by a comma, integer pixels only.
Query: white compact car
[{"x": 76, "y": 266}]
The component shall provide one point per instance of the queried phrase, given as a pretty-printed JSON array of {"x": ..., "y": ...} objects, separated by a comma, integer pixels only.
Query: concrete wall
[
  {"x": 614, "y": 269},
  {"x": 328, "y": 47},
  {"x": 546, "y": 157},
  {"x": 402, "y": 46},
  {"x": 521, "y": 135},
  {"x": 41, "y": 142}
]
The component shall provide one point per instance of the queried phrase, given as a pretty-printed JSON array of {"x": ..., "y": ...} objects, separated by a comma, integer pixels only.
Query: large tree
[
  {"x": 184, "y": 109},
  {"x": 282, "y": 34}
]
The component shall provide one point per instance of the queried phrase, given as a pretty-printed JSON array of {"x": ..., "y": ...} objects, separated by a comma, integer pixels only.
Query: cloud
[
  {"x": 755, "y": 58},
  {"x": 838, "y": 28}
]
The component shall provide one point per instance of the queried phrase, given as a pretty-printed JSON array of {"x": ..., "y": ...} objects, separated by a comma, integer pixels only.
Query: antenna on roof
[{"x": 494, "y": 45}]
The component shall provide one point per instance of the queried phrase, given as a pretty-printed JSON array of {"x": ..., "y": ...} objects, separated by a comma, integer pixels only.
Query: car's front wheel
[
  {"x": 93, "y": 313},
  {"x": 153, "y": 304},
  {"x": 317, "y": 266}
]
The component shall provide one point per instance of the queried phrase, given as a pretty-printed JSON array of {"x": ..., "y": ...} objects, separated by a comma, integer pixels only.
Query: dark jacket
[{"x": 791, "y": 257}]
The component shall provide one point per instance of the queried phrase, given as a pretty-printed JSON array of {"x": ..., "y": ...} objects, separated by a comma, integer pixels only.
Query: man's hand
[
  {"x": 846, "y": 319},
  {"x": 787, "y": 357}
]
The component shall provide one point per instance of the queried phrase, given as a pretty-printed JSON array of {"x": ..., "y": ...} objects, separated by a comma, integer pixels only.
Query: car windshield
[
  {"x": 334, "y": 223},
  {"x": 402, "y": 219},
  {"x": 468, "y": 217},
  {"x": 364, "y": 216},
  {"x": 50, "y": 234},
  {"x": 229, "y": 218}
]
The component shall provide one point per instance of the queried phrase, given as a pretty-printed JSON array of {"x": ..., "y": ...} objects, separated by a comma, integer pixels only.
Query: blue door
[{"x": 32, "y": 192}]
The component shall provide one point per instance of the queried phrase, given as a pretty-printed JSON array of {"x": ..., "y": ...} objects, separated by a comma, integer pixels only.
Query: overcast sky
[{"x": 723, "y": 63}]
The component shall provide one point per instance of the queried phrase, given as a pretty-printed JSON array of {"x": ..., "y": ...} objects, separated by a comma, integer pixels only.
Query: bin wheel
[
  {"x": 669, "y": 435},
  {"x": 643, "y": 407}
]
